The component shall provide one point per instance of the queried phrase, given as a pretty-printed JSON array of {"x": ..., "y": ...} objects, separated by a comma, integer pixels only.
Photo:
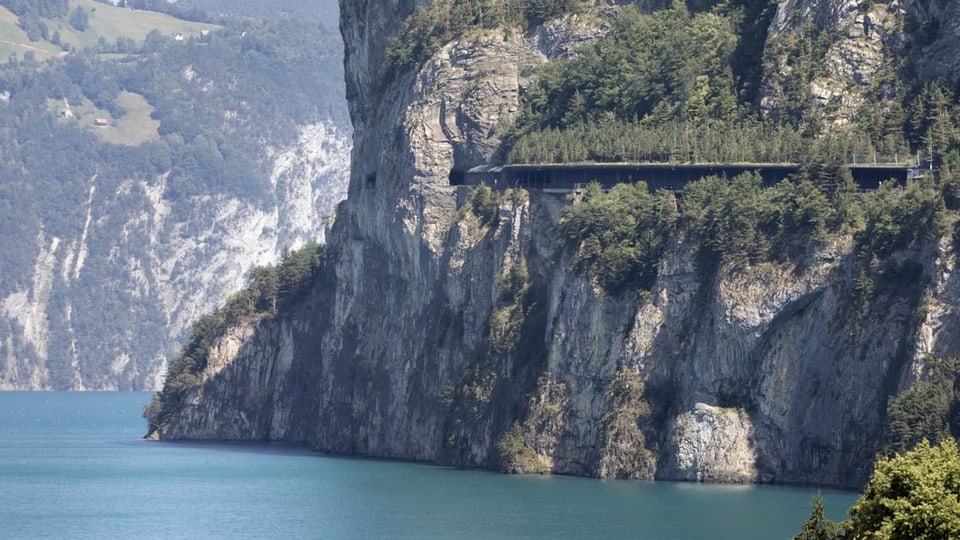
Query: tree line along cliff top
[{"x": 682, "y": 84}]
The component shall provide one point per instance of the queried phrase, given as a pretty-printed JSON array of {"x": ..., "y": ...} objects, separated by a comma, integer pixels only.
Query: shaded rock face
[
  {"x": 935, "y": 39},
  {"x": 433, "y": 331}
]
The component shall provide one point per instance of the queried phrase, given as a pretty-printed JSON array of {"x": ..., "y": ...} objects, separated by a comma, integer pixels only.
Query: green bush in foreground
[{"x": 912, "y": 496}]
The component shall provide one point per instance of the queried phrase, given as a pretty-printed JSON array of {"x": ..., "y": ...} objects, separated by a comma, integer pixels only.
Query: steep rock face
[
  {"x": 248, "y": 403},
  {"x": 167, "y": 265},
  {"x": 936, "y": 36},
  {"x": 412, "y": 287},
  {"x": 862, "y": 41},
  {"x": 436, "y": 331},
  {"x": 806, "y": 366},
  {"x": 713, "y": 445}
]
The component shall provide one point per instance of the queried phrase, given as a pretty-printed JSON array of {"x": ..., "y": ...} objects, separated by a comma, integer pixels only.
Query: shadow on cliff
[{"x": 834, "y": 357}]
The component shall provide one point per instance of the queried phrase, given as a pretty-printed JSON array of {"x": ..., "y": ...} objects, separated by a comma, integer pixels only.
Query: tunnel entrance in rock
[{"x": 457, "y": 177}]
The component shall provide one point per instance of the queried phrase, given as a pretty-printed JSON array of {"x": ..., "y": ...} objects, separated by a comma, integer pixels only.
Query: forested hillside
[
  {"x": 142, "y": 175},
  {"x": 325, "y": 11}
]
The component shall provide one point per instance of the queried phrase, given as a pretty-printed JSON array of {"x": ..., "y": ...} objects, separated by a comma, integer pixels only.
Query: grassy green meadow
[{"x": 105, "y": 21}]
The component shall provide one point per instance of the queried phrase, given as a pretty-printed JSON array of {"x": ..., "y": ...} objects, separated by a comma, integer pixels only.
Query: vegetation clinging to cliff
[
  {"x": 671, "y": 86},
  {"x": 431, "y": 26},
  {"x": 666, "y": 86},
  {"x": 609, "y": 139},
  {"x": 669, "y": 65},
  {"x": 897, "y": 219},
  {"x": 650, "y": 89},
  {"x": 485, "y": 204},
  {"x": 516, "y": 456},
  {"x": 624, "y": 452},
  {"x": 506, "y": 320},
  {"x": 740, "y": 220},
  {"x": 268, "y": 289},
  {"x": 620, "y": 236},
  {"x": 927, "y": 411}
]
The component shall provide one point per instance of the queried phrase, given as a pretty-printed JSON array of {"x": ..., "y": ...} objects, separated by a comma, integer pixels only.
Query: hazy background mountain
[
  {"x": 322, "y": 10},
  {"x": 148, "y": 162}
]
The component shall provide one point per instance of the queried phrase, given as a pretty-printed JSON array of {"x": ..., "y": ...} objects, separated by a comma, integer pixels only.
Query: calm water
[{"x": 72, "y": 465}]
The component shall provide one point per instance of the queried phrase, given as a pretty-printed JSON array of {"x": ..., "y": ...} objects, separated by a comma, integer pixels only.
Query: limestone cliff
[
  {"x": 440, "y": 334},
  {"x": 858, "y": 48}
]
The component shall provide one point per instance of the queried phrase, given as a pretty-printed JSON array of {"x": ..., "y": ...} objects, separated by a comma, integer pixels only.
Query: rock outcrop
[
  {"x": 859, "y": 48},
  {"x": 435, "y": 333},
  {"x": 853, "y": 45}
]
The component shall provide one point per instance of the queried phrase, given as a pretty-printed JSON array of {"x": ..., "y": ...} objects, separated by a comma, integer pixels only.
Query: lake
[{"x": 72, "y": 465}]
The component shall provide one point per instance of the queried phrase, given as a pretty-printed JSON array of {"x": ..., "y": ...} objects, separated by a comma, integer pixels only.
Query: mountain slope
[{"x": 141, "y": 182}]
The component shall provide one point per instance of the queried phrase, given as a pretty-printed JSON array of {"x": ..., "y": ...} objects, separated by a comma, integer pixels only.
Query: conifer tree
[{"x": 818, "y": 526}]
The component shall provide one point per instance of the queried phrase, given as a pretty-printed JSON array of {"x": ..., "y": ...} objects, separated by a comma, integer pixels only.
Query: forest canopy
[
  {"x": 681, "y": 84},
  {"x": 671, "y": 86}
]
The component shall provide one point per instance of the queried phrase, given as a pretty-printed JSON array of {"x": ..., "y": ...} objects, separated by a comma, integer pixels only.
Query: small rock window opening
[
  {"x": 457, "y": 177},
  {"x": 371, "y": 179}
]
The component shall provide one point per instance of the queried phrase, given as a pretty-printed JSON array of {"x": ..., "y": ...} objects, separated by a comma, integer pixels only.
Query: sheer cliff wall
[{"x": 412, "y": 344}]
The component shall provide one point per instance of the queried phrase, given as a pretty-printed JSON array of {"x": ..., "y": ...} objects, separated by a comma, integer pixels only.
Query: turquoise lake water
[{"x": 72, "y": 465}]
